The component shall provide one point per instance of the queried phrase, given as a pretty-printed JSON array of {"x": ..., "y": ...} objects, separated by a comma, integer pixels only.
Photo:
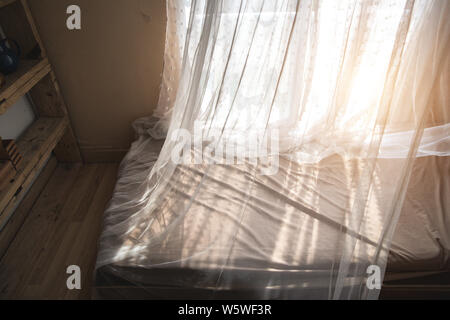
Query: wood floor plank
[
  {"x": 54, "y": 284},
  {"x": 89, "y": 231},
  {"x": 80, "y": 243},
  {"x": 62, "y": 229},
  {"x": 74, "y": 201},
  {"x": 11, "y": 228},
  {"x": 17, "y": 265},
  {"x": 46, "y": 217}
]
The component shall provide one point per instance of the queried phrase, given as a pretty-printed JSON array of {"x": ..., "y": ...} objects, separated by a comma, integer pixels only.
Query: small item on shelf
[
  {"x": 7, "y": 173},
  {"x": 9, "y": 59},
  {"x": 9, "y": 151}
]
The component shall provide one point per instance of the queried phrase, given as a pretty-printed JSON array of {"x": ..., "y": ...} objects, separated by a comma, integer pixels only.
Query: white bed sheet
[{"x": 280, "y": 231}]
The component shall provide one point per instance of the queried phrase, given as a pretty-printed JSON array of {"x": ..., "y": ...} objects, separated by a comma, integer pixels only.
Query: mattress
[{"x": 281, "y": 235}]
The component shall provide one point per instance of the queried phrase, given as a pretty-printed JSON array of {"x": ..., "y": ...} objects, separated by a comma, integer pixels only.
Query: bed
[{"x": 281, "y": 237}]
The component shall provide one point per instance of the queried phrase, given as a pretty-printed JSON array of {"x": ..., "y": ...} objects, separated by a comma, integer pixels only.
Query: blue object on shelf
[{"x": 9, "y": 58}]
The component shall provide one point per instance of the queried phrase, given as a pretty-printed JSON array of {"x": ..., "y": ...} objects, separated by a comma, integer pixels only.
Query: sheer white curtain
[
  {"x": 326, "y": 73},
  {"x": 353, "y": 89}
]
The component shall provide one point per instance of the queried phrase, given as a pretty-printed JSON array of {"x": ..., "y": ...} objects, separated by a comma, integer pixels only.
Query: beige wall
[{"x": 110, "y": 70}]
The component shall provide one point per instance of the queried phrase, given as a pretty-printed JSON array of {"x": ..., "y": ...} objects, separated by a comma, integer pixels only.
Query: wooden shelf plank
[
  {"x": 4, "y": 3},
  {"x": 20, "y": 82},
  {"x": 35, "y": 146}
]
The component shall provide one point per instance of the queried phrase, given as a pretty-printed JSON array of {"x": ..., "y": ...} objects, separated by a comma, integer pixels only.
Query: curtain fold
[{"x": 327, "y": 104}]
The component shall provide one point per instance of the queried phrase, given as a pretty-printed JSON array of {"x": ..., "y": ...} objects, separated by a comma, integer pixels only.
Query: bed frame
[{"x": 435, "y": 286}]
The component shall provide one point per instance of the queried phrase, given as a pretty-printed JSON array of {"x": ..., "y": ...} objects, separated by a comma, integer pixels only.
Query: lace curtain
[
  {"x": 330, "y": 68},
  {"x": 348, "y": 92}
]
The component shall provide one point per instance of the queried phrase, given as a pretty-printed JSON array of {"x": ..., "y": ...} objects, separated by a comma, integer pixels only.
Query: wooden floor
[{"x": 60, "y": 223}]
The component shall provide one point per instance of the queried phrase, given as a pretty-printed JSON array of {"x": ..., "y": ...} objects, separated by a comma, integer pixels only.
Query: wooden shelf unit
[
  {"x": 35, "y": 146},
  {"x": 20, "y": 82},
  {"x": 51, "y": 132}
]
